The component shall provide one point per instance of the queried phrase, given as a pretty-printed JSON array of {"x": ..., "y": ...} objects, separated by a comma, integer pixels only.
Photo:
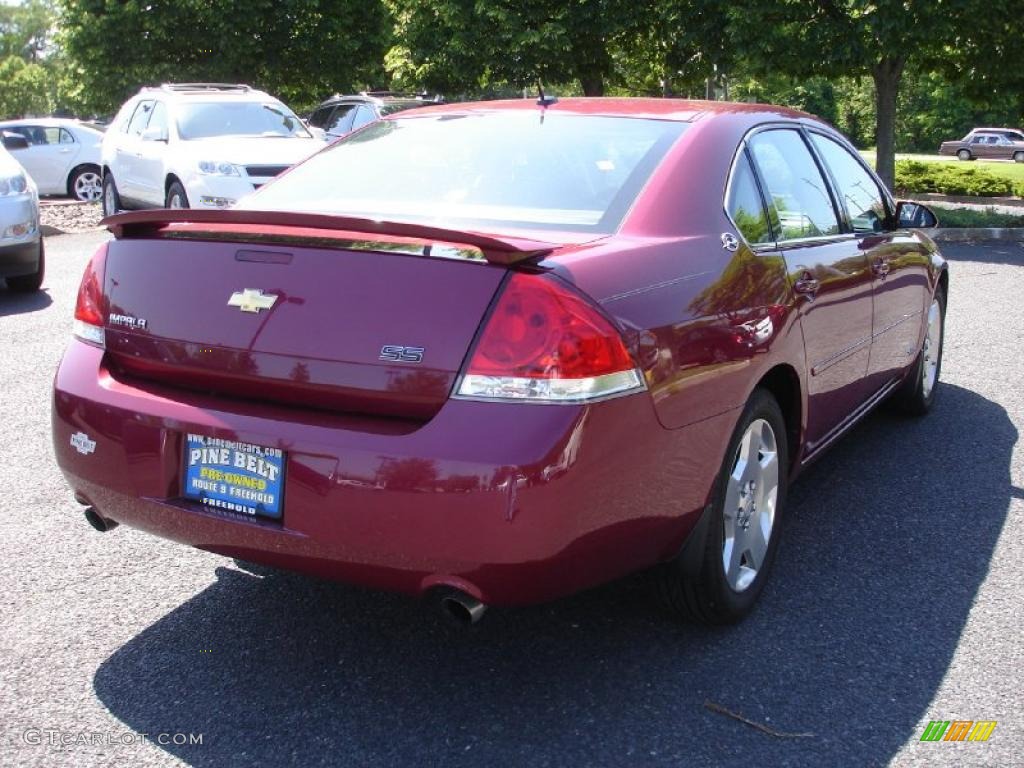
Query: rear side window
[
  {"x": 341, "y": 120},
  {"x": 798, "y": 197},
  {"x": 860, "y": 193},
  {"x": 744, "y": 203},
  {"x": 363, "y": 116}
]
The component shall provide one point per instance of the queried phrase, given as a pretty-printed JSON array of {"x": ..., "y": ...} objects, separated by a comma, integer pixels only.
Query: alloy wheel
[
  {"x": 88, "y": 187},
  {"x": 930, "y": 353},
  {"x": 750, "y": 496}
]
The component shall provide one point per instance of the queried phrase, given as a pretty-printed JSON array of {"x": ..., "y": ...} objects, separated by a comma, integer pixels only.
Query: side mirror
[
  {"x": 153, "y": 134},
  {"x": 14, "y": 141},
  {"x": 915, "y": 216}
]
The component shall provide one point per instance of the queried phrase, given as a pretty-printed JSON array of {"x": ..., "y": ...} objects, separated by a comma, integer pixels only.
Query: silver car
[{"x": 21, "y": 245}]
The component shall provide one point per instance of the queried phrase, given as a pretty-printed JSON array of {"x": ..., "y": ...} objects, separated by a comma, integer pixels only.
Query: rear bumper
[
  {"x": 19, "y": 258},
  {"x": 512, "y": 503}
]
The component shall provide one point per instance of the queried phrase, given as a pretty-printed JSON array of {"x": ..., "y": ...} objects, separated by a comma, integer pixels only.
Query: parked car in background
[
  {"x": 339, "y": 114},
  {"x": 504, "y": 351},
  {"x": 202, "y": 145},
  {"x": 62, "y": 157},
  {"x": 22, "y": 260},
  {"x": 987, "y": 144}
]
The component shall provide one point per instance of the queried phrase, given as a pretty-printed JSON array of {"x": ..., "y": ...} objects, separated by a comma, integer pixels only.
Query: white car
[
  {"x": 198, "y": 145},
  {"x": 62, "y": 157},
  {"x": 22, "y": 262}
]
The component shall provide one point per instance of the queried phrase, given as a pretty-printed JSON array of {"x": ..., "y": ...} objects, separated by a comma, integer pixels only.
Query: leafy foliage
[
  {"x": 299, "y": 50},
  {"x": 949, "y": 178},
  {"x": 973, "y": 217}
]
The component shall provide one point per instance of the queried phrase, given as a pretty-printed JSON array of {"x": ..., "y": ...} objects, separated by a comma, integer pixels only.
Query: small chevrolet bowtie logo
[{"x": 252, "y": 300}]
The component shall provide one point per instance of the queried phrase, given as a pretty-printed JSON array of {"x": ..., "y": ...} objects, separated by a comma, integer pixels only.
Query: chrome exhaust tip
[
  {"x": 463, "y": 608},
  {"x": 101, "y": 524}
]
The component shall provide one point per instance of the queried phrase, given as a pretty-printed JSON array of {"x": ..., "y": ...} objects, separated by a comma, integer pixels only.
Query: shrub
[
  {"x": 949, "y": 179},
  {"x": 971, "y": 217}
]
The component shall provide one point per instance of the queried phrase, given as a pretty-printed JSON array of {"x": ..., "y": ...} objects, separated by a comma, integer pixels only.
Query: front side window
[
  {"x": 798, "y": 197},
  {"x": 864, "y": 201},
  {"x": 207, "y": 119},
  {"x": 159, "y": 119},
  {"x": 319, "y": 118},
  {"x": 744, "y": 204},
  {"x": 140, "y": 119},
  {"x": 504, "y": 169}
]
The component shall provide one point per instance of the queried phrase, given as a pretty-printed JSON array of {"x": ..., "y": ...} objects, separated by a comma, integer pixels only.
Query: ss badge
[{"x": 397, "y": 354}]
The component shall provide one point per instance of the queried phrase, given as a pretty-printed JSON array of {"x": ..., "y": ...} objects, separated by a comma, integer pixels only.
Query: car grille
[{"x": 265, "y": 171}]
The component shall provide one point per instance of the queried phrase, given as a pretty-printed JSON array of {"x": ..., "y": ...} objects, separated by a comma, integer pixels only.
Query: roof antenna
[{"x": 544, "y": 101}]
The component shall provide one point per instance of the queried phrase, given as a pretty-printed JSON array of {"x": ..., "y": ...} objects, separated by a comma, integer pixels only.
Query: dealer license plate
[{"x": 238, "y": 477}]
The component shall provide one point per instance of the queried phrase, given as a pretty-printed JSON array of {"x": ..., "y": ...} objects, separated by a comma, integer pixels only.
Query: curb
[
  {"x": 934, "y": 197},
  {"x": 965, "y": 234}
]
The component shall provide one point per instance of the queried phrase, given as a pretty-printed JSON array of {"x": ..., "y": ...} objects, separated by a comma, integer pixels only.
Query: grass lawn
[{"x": 1006, "y": 169}]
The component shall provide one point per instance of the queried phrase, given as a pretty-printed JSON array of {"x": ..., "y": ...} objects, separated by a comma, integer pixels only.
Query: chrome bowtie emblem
[{"x": 252, "y": 300}]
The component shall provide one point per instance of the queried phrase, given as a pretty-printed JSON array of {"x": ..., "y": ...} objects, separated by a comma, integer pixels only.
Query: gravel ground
[
  {"x": 896, "y": 599},
  {"x": 63, "y": 216}
]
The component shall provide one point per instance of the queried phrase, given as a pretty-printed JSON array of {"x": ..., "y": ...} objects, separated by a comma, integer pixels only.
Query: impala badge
[{"x": 252, "y": 300}]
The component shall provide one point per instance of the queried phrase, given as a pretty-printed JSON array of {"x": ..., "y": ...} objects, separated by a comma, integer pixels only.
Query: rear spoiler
[{"x": 496, "y": 249}]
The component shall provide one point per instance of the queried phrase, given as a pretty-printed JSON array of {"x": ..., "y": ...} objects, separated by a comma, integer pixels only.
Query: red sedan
[{"x": 502, "y": 352}]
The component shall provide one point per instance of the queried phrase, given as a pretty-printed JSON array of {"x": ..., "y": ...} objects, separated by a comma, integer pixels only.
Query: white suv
[{"x": 200, "y": 145}]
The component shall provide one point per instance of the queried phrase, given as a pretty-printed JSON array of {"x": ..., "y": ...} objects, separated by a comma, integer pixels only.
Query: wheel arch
[
  {"x": 170, "y": 179},
  {"x": 783, "y": 383}
]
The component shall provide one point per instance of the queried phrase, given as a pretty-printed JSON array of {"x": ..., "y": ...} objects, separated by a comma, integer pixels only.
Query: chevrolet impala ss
[{"x": 497, "y": 353}]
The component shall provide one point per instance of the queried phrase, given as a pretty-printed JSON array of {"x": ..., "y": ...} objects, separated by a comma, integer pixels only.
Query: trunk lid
[{"x": 338, "y": 328}]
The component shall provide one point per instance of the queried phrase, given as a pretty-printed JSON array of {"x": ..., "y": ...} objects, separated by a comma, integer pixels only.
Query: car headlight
[
  {"x": 214, "y": 168},
  {"x": 13, "y": 185}
]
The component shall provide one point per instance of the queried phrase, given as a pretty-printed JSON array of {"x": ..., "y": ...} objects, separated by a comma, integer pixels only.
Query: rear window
[
  {"x": 206, "y": 119},
  {"x": 501, "y": 169}
]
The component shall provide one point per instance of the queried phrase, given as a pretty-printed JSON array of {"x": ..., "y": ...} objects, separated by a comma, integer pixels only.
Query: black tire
[
  {"x": 85, "y": 184},
  {"x": 30, "y": 283},
  {"x": 964, "y": 154},
  {"x": 699, "y": 591},
  {"x": 176, "y": 193},
  {"x": 913, "y": 397},
  {"x": 111, "y": 198}
]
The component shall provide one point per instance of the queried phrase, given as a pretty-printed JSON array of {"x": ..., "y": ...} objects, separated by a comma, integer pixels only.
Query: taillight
[
  {"x": 546, "y": 343},
  {"x": 89, "y": 309}
]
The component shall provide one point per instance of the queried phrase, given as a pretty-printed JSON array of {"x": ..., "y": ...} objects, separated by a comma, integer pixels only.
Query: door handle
[
  {"x": 881, "y": 268},
  {"x": 807, "y": 285}
]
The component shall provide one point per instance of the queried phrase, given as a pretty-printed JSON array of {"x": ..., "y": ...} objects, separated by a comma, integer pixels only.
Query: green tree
[
  {"x": 875, "y": 38},
  {"x": 458, "y": 46},
  {"x": 26, "y": 30},
  {"x": 24, "y": 88},
  {"x": 300, "y": 50}
]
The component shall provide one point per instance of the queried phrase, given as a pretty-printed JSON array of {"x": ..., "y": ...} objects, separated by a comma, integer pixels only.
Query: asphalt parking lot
[{"x": 896, "y": 600}]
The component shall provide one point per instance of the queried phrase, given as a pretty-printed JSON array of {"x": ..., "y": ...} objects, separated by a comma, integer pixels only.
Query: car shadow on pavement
[
  {"x": 886, "y": 543},
  {"x": 12, "y": 303},
  {"x": 986, "y": 252}
]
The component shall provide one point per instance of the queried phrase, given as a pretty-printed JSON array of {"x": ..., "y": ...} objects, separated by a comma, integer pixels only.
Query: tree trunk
[
  {"x": 593, "y": 84},
  {"x": 886, "y": 74}
]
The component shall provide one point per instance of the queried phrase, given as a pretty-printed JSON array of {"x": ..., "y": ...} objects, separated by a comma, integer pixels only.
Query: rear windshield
[
  {"x": 498, "y": 169},
  {"x": 206, "y": 119},
  {"x": 397, "y": 106}
]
